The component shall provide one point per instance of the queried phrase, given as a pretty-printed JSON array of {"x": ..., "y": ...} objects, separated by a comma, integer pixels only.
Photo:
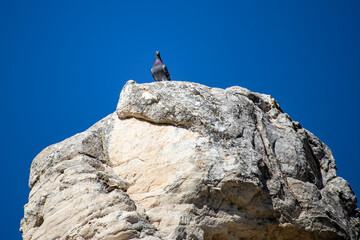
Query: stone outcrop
[{"x": 180, "y": 160}]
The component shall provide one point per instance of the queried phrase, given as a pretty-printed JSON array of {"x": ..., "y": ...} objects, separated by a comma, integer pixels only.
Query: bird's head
[{"x": 157, "y": 57}]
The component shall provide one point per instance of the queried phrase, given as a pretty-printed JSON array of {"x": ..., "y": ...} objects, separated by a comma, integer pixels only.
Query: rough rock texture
[{"x": 180, "y": 160}]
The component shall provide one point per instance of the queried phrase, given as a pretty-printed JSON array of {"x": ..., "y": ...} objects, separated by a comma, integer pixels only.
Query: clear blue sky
[{"x": 64, "y": 63}]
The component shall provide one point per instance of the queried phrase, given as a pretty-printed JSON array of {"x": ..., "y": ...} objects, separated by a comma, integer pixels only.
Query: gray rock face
[{"x": 180, "y": 160}]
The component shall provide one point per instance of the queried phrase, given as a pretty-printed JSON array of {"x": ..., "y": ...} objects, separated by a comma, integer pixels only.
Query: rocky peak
[{"x": 180, "y": 160}]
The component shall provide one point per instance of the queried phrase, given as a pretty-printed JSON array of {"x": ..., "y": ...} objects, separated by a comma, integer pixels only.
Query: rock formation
[{"x": 180, "y": 160}]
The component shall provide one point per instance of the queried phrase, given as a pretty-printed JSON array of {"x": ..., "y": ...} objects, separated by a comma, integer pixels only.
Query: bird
[{"x": 159, "y": 71}]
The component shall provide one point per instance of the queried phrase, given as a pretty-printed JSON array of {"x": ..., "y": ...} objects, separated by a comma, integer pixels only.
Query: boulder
[{"x": 180, "y": 160}]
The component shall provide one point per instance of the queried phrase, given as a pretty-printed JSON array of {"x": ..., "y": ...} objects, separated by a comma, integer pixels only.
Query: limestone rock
[{"x": 180, "y": 160}]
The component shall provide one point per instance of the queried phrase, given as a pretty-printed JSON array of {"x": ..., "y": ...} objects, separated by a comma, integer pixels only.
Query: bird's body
[{"x": 159, "y": 71}]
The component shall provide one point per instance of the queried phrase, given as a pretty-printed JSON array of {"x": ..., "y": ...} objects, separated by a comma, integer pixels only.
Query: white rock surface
[{"x": 180, "y": 160}]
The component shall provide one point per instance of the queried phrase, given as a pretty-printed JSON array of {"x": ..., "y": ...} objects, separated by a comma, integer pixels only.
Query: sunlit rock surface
[{"x": 180, "y": 160}]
